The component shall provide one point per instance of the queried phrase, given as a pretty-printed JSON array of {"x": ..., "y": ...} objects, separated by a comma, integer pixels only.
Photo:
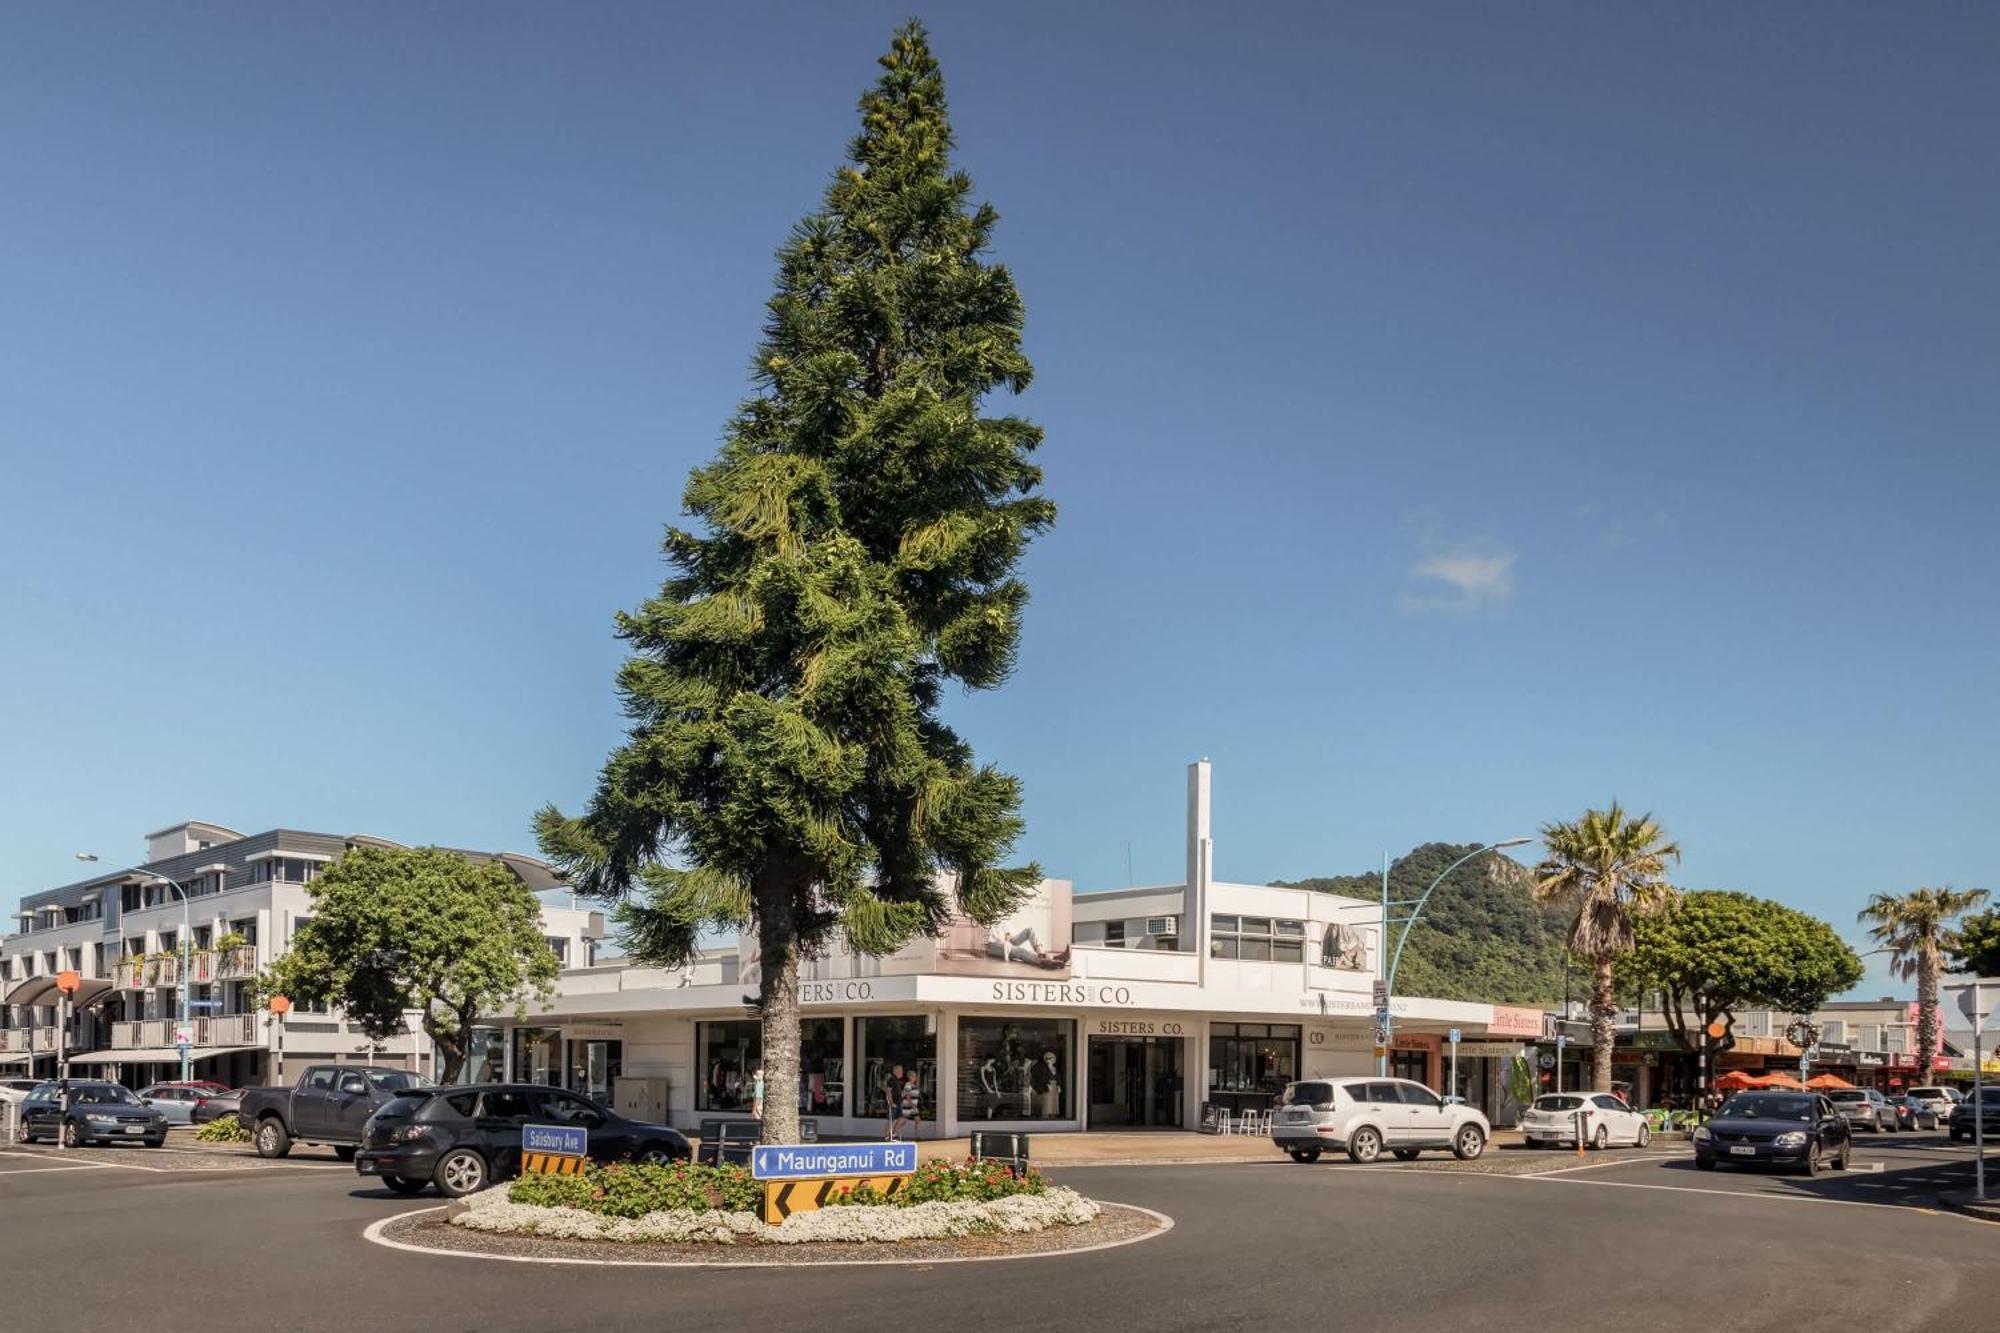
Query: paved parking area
[{"x": 177, "y": 1156}]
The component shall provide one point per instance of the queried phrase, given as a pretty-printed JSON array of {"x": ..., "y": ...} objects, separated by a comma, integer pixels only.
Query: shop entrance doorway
[{"x": 1136, "y": 1081}]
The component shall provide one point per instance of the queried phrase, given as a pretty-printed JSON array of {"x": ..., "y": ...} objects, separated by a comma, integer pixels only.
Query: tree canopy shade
[
  {"x": 1714, "y": 952},
  {"x": 1916, "y": 929},
  {"x": 1609, "y": 867},
  {"x": 1977, "y": 947},
  {"x": 395, "y": 929},
  {"x": 787, "y": 768}
]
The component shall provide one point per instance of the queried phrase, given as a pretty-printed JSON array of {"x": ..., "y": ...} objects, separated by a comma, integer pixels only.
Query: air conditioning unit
[{"x": 1163, "y": 925}]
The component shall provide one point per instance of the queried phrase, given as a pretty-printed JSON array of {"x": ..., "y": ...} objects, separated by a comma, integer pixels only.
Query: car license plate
[
  {"x": 1742, "y": 1152},
  {"x": 135, "y": 1129}
]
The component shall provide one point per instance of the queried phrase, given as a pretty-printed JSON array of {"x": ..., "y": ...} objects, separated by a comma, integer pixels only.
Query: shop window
[
  {"x": 486, "y": 1057},
  {"x": 886, "y": 1043},
  {"x": 1412, "y": 1065},
  {"x": 1252, "y": 1057},
  {"x": 728, "y": 1055},
  {"x": 537, "y": 1055},
  {"x": 1259, "y": 939},
  {"x": 1015, "y": 1069},
  {"x": 1114, "y": 934},
  {"x": 822, "y": 1067}
]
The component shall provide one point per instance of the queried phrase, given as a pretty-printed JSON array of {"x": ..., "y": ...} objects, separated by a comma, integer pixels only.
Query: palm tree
[
  {"x": 1610, "y": 866},
  {"x": 1916, "y": 929}
]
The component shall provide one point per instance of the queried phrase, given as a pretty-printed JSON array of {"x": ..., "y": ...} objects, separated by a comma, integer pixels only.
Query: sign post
[
  {"x": 1383, "y": 1033},
  {"x": 1976, "y": 1000},
  {"x": 1562, "y": 1043},
  {"x": 801, "y": 1177},
  {"x": 67, "y": 983},
  {"x": 280, "y": 1005},
  {"x": 554, "y": 1150},
  {"x": 1455, "y": 1035}
]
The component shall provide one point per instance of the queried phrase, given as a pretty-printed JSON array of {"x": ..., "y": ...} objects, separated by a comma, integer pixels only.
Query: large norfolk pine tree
[{"x": 853, "y": 554}]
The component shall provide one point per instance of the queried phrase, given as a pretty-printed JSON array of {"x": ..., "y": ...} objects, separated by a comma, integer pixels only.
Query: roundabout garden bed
[{"x": 708, "y": 1215}]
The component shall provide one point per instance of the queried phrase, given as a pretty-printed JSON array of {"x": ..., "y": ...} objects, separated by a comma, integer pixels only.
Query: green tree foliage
[
  {"x": 1482, "y": 936},
  {"x": 1715, "y": 952},
  {"x": 1977, "y": 947},
  {"x": 397, "y": 929},
  {"x": 787, "y": 768},
  {"x": 1609, "y": 867},
  {"x": 1916, "y": 928}
]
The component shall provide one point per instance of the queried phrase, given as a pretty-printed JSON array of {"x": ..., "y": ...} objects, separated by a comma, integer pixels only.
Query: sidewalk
[{"x": 1160, "y": 1147}]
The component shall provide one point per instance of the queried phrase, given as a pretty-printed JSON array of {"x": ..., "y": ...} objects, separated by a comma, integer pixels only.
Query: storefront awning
[
  {"x": 155, "y": 1055},
  {"x": 43, "y": 991}
]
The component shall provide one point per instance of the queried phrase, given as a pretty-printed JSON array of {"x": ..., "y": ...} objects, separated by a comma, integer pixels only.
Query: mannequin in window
[
  {"x": 1047, "y": 1082},
  {"x": 989, "y": 1082}
]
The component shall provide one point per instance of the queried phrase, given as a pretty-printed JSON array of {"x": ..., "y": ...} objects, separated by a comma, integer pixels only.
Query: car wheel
[
  {"x": 656, "y": 1157},
  {"x": 1957, "y": 1137},
  {"x": 405, "y": 1185},
  {"x": 1364, "y": 1146},
  {"x": 160, "y": 1142},
  {"x": 272, "y": 1140},
  {"x": 1468, "y": 1143},
  {"x": 72, "y": 1137},
  {"x": 1811, "y": 1166},
  {"x": 1601, "y": 1139},
  {"x": 1645, "y": 1135},
  {"x": 1840, "y": 1163},
  {"x": 346, "y": 1152},
  {"x": 1536, "y": 1143},
  {"x": 1704, "y": 1164},
  {"x": 460, "y": 1172},
  {"x": 1404, "y": 1154},
  {"x": 1305, "y": 1154}
]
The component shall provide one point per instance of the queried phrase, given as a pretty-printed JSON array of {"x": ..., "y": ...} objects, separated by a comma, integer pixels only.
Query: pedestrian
[
  {"x": 892, "y": 1103},
  {"x": 913, "y": 1110},
  {"x": 757, "y": 1093}
]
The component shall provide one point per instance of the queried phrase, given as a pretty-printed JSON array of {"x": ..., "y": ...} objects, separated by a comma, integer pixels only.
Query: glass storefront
[
  {"x": 486, "y": 1058},
  {"x": 822, "y": 1066},
  {"x": 537, "y": 1056},
  {"x": 885, "y": 1043},
  {"x": 1249, "y": 1064},
  {"x": 1015, "y": 1069},
  {"x": 1412, "y": 1065},
  {"x": 1136, "y": 1080},
  {"x": 592, "y": 1067},
  {"x": 727, "y": 1054}
]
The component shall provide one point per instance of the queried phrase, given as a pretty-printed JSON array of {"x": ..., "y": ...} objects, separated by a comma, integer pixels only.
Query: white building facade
[{"x": 1138, "y": 1008}]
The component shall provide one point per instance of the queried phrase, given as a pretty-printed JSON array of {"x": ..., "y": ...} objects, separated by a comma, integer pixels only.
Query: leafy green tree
[
  {"x": 1916, "y": 929},
  {"x": 1609, "y": 867},
  {"x": 787, "y": 769},
  {"x": 418, "y": 928},
  {"x": 1977, "y": 948},
  {"x": 1715, "y": 952}
]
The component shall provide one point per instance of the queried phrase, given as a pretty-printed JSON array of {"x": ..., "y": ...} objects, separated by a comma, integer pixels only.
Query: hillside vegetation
[{"x": 1482, "y": 936}]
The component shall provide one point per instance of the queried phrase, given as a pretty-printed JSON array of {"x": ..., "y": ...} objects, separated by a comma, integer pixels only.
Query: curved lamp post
[
  {"x": 187, "y": 1058},
  {"x": 1416, "y": 906}
]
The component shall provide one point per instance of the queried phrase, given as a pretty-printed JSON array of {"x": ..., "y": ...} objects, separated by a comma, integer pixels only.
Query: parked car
[
  {"x": 1800, "y": 1130},
  {"x": 329, "y": 1104},
  {"x": 16, "y": 1090},
  {"x": 177, "y": 1101},
  {"x": 1363, "y": 1116},
  {"x": 463, "y": 1139},
  {"x": 1602, "y": 1120},
  {"x": 99, "y": 1112},
  {"x": 1914, "y": 1112},
  {"x": 1985, "y": 1108},
  {"x": 1864, "y": 1108},
  {"x": 1940, "y": 1100},
  {"x": 218, "y": 1105}
]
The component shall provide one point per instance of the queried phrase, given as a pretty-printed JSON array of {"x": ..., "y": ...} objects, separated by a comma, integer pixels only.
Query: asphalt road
[{"x": 1625, "y": 1241}]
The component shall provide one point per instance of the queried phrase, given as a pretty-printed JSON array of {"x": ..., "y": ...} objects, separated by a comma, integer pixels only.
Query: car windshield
[
  {"x": 1553, "y": 1102},
  {"x": 1308, "y": 1094},
  {"x": 397, "y": 1081},
  {"x": 103, "y": 1094},
  {"x": 1763, "y": 1106}
]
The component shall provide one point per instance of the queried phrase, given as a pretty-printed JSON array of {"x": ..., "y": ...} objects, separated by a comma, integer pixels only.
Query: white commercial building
[
  {"x": 247, "y": 896},
  {"x": 1140, "y": 1007}
]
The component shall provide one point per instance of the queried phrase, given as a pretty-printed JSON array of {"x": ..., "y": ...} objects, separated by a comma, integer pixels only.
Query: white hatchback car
[
  {"x": 1364, "y": 1116},
  {"x": 1598, "y": 1117}
]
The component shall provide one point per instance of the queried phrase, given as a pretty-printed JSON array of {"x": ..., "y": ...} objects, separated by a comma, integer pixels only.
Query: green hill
[{"x": 1482, "y": 937}]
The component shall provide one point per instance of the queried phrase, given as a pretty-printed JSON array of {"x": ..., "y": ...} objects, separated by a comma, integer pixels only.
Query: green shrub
[
  {"x": 224, "y": 1129},
  {"x": 939, "y": 1181},
  {"x": 624, "y": 1190}
]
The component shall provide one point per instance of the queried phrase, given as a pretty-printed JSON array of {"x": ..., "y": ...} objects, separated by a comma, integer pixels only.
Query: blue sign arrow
[
  {"x": 562, "y": 1140},
  {"x": 812, "y": 1161}
]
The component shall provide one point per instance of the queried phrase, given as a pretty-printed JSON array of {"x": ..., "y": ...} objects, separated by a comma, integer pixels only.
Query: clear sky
[{"x": 1460, "y": 415}]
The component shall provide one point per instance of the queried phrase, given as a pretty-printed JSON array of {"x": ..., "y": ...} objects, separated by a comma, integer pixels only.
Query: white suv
[{"x": 1366, "y": 1115}]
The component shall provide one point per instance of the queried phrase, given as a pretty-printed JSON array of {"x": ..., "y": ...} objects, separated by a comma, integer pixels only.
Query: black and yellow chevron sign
[
  {"x": 782, "y": 1198},
  {"x": 552, "y": 1164}
]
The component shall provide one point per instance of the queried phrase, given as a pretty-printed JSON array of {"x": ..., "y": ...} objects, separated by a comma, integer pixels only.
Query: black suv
[
  {"x": 464, "y": 1139},
  {"x": 1962, "y": 1114},
  {"x": 98, "y": 1113}
]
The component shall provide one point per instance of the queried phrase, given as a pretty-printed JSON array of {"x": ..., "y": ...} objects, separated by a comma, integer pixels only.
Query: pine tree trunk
[
  {"x": 778, "y": 996},
  {"x": 1603, "y": 1025},
  {"x": 1927, "y": 1011}
]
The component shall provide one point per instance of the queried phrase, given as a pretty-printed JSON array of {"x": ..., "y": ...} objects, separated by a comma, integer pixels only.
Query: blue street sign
[
  {"x": 1454, "y": 1036},
  {"x": 562, "y": 1140},
  {"x": 204, "y": 1004},
  {"x": 811, "y": 1161}
]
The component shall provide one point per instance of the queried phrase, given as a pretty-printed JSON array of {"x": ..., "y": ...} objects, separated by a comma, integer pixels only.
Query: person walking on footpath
[
  {"x": 892, "y": 1104},
  {"x": 913, "y": 1111}
]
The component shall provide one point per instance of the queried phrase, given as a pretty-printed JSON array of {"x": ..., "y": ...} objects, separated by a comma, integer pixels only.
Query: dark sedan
[
  {"x": 1798, "y": 1130},
  {"x": 1963, "y": 1115},
  {"x": 218, "y": 1106},
  {"x": 98, "y": 1113},
  {"x": 464, "y": 1139}
]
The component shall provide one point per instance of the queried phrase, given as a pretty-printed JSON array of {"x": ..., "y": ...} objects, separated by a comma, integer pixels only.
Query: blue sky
[{"x": 1459, "y": 415}]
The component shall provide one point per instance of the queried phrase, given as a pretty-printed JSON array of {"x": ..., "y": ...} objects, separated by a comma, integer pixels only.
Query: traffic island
[{"x": 696, "y": 1215}]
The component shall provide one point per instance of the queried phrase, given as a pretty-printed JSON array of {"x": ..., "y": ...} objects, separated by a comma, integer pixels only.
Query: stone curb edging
[{"x": 373, "y": 1233}]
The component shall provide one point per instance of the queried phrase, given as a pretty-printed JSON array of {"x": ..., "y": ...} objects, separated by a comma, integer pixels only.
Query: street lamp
[
  {"x": 1387, "y": 986},
  {"x": 187, "y": 1058}
]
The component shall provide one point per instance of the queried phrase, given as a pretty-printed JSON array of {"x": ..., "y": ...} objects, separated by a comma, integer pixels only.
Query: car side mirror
[{"x": 354, "y": 1086}]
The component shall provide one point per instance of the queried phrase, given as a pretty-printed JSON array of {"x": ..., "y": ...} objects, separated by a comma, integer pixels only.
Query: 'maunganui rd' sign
[{"x": 813, "y": 1161}]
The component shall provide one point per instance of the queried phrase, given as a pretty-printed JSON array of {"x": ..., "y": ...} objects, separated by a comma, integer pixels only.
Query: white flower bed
[{"x": 491, "y": 1210}]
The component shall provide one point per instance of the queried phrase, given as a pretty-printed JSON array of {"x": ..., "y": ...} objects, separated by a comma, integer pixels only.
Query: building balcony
[
  {"x": 17, "y": 1041},
  {"x": 215, "y": 1030}
]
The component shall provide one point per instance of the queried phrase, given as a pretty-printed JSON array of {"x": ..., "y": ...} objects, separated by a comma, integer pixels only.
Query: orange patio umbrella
[
  {"x": 1785, "y": 1081},
  {"x": 1826, "y": 1081},
  {"x": 1735, "y": 1081}
]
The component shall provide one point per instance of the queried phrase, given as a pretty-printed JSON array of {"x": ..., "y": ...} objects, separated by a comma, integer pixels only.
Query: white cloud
[{"x": 1460, "y": 577}]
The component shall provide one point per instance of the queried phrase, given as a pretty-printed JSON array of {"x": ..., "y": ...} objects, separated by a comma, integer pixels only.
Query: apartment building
[{"x": 246, "y": 898}]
